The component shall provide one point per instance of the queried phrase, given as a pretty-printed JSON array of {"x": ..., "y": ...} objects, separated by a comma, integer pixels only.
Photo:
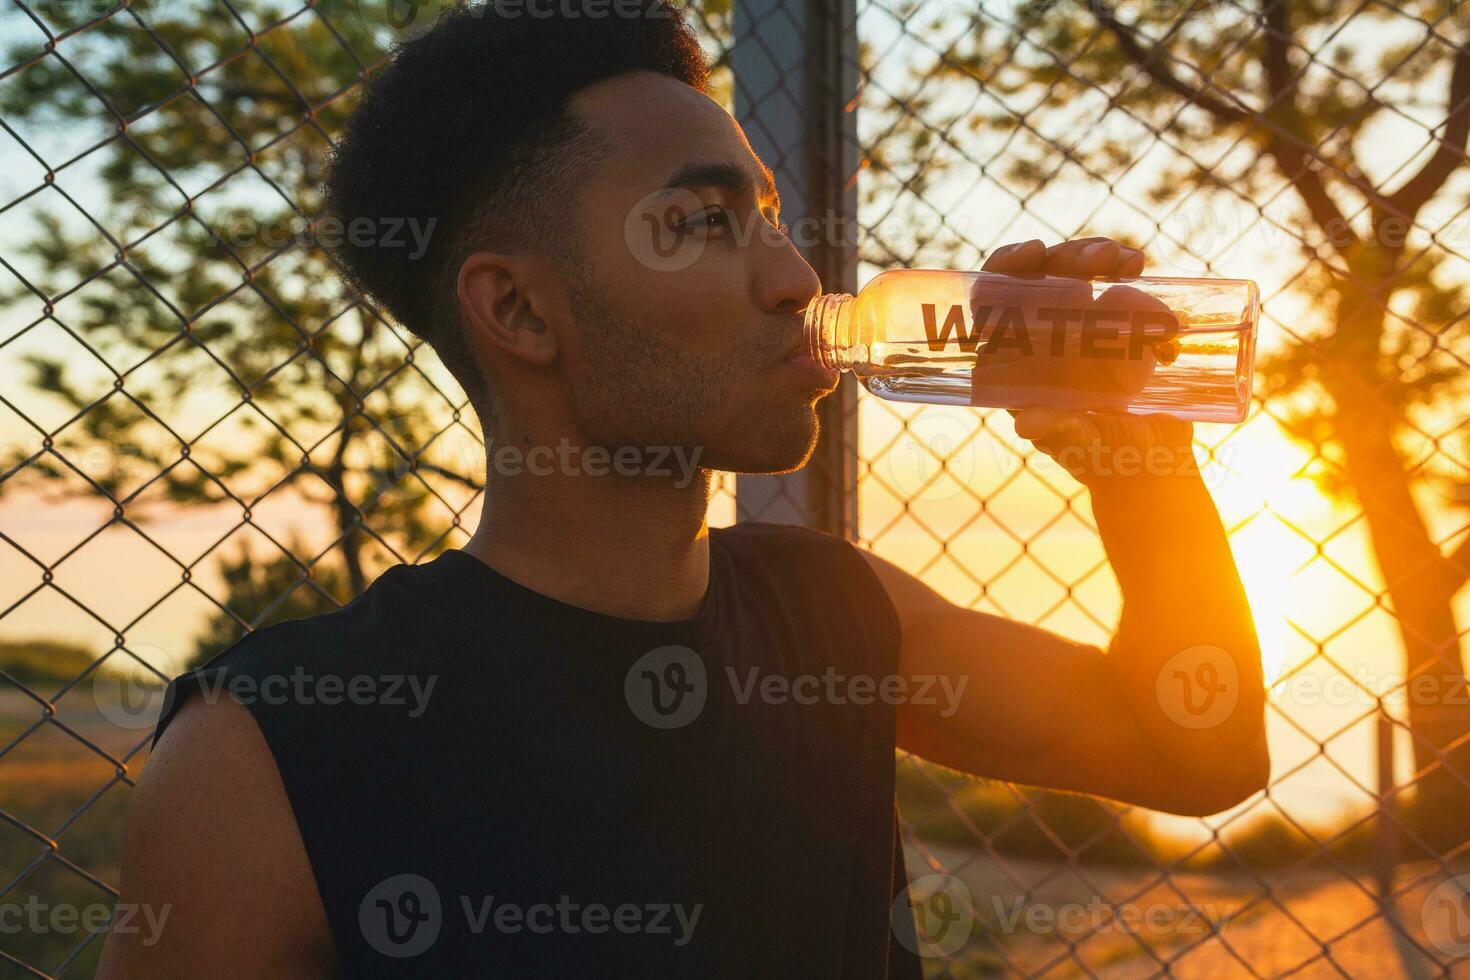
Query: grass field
[{"x": 65, "y": 790}]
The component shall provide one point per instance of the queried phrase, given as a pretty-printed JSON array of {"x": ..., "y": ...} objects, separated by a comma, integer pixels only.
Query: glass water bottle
[{"x": 1137, "y": 345}]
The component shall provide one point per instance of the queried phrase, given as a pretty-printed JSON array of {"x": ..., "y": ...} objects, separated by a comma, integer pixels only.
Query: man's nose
[{"x": 785, "y": 281}]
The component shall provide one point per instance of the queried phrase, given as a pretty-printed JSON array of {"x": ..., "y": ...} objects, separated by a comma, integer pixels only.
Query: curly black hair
[{"x": 469, "y": 126}]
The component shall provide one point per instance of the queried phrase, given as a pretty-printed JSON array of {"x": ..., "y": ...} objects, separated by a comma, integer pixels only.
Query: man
[{"x": 601, "y": 739}]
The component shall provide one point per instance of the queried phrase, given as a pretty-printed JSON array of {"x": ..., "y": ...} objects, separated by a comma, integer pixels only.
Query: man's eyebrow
[{"x": 727, "y": 177}]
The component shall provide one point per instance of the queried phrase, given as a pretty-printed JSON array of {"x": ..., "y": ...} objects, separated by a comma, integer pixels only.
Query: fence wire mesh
[{"x": 188, "y": 392}]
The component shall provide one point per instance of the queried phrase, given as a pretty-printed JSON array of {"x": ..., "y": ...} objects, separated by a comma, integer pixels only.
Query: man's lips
[{"x": 822, "y": 378}]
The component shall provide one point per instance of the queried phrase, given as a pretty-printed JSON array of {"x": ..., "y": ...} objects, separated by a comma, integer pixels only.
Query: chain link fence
[{"x": 188, "y": 397}]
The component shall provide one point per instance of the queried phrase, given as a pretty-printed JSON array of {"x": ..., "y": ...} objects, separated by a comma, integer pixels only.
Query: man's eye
[{"x": 715, "y": 217}]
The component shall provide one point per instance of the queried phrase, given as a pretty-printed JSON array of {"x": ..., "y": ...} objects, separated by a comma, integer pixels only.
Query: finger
[
  {"x": 1144, "y": 431},
  {"x": 1064, "y": 436},
  {"x": 1052, "y": 425},
  {"x": 1132, "y": 262},
  {"x": 1034, "y": 423},
  {"x": 1018, "y": 257},
  {"x": 1169, "y": 430},
  {"x": 1073, "y": 244},
  {"x": 1125, "y": 297},
  {"x": 1083, "y": 258}
]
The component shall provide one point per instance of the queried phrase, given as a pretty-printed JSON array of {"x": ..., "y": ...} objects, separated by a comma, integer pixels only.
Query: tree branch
[
  {"x": 1450, "y": 154},
  {"x": 1152, "y": 63},
  {"x": 1283, "y": 85},
  {"x": 467, "y": 481},
  {"x": 1275, "y": 60},
  {"x": 1287, "y": 148},
  {"x": 1290, "y": 153}
]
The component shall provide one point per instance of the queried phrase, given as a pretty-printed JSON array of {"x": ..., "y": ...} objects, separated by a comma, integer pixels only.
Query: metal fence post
[{"x": 796, "y": 75}]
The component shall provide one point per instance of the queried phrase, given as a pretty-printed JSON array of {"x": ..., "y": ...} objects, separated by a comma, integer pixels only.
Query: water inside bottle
[
  {"x": 1139, "y": 346},
  {"x": 1201, "y": 380}
]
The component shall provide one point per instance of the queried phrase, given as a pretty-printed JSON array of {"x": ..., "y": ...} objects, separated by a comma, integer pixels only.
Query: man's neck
[{"x": 630, "y": 546}]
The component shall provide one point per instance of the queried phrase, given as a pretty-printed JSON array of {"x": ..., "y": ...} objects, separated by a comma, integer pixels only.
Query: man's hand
[
  {"x": 1100, "y": 449},
  {"x": 1095, "y": 446},
  {"x": 1085, "y": 258}
]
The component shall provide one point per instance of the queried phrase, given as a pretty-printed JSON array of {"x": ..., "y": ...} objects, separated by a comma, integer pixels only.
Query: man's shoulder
[
  {"x": 791, "y": 552},
  {"x": 386, "y": 630},
  {"x": 822, "y": 575},
  {"x": 211, "y": 841},
  {"x": 363, "y": 631}
]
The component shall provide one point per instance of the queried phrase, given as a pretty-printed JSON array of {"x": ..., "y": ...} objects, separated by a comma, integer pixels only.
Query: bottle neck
[{"x": 829, "y": 331}]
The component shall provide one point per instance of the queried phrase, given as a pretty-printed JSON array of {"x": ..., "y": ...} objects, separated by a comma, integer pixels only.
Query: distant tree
[
  {"x": 43, "y": 665},
  {"x": 263, "y": 592},
  {"x": 218, "y": 361}
]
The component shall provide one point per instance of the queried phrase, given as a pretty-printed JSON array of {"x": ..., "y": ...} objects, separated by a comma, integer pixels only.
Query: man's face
[{"x": 687, "y": 307}]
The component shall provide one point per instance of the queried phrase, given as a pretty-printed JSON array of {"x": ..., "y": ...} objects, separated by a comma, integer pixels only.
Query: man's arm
[
  {"x": 1171, "y": 717},
  {"x": 213, "y": 856}
]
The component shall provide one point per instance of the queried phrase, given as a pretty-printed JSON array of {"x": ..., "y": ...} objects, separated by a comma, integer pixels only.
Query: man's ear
[{"x": 494, "y": 295}]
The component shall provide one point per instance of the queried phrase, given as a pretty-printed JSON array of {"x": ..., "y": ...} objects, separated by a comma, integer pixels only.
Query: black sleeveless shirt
[{"x": 493, "y": 783}]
